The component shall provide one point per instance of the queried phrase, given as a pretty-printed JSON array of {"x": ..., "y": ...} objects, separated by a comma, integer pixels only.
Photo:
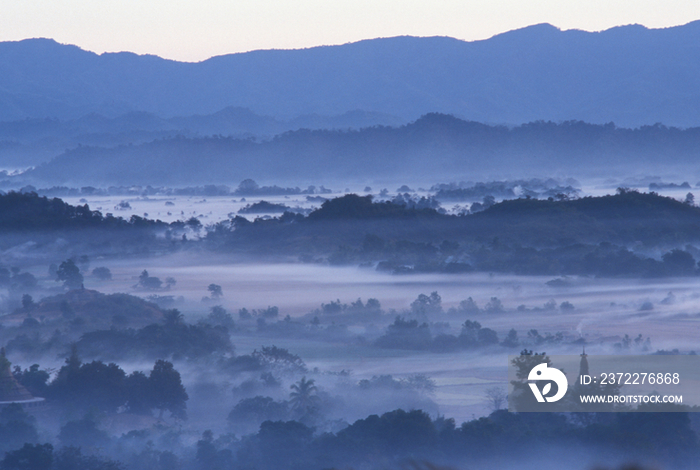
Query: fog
[
  {"x": 210, "y": 209},
  {"x": 227, "y": 289},
  {"x": 251, "y": 328},
  {"x": 605, "y": 310}
]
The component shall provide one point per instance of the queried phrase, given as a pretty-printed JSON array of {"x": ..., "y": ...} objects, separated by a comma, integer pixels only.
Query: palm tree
[
  {"x": 303, "y": 396},
  {"x": 173, "y": 317}
]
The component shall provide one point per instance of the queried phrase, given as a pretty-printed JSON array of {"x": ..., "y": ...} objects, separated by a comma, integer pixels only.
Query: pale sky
[{"x": 194, "y": 31}]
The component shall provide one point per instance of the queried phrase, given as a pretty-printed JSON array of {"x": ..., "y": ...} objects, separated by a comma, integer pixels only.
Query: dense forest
[
  {"x": 603, "y": 236},
  {"x": 288, "y": 437},
  {"x": 617, "y": 235}
]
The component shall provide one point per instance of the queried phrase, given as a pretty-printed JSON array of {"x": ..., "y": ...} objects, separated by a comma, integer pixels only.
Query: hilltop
[{"x": 93, "y": 308}]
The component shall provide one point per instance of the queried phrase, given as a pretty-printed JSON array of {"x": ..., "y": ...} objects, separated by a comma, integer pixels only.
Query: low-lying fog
[
  {"x": 347, "y": 350},
  {"x": 605, "y": 310},
  {"x": 213, "y": 209}
]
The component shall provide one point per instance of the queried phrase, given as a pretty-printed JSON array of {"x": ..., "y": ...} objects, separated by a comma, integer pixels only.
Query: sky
[{"x": 193, "y": 31}]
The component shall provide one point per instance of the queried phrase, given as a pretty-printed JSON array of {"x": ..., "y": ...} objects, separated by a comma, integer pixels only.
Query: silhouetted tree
[
  {"x": 426, "y": 305},
  {"x": 33, "y": 379},
  {"x": 511, "y": 339},
  {"x": 215, "y": 291},
  {"x": 303, "y": 396},
  {"x": 139, "y": 393},
  {"x": 496, "y": 398},
  {"x": 168, "y": 391},
  {"x": 69, "y": 273},
  {"x": 149, "y": 282},
  {"x": 102, "y": 273},
  {"x": 679, "y": 262}
]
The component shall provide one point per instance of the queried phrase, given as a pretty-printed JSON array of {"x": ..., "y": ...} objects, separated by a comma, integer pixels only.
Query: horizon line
[{"x": 317, "y": 46}]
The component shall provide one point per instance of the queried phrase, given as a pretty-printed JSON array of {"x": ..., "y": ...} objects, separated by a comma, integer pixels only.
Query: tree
[
  {"x": 487, "y": 336},
  {"x": 406, "y": 334},
  {"x": 469, "y": 337},
  {"x": 173, "y": 317},
  {"x": 511, "y": 339},
  {"x": 102, "y": 273},
  {"x": 168, "y": 391},
  {"x": 69, "y": 273},
  {"x": 33, "y": 379},
  {"x": 94, "y": 384},
  {"x": 194, "y": 223},
  {"x": 258, "y": 409},
  {"x": 303, "y": 396},
  {"x": 494, "y": 305},
  {"x": 425, "y": 305},
  {"x": 496, "y": 397},
  {"x": 149, "y": 282},
  {"x": 279, "y": 359},
  {"x": 467, "y": 306},
  {"x": 219, "y": 316},
  {"x": 215, "y": 291},
  {"x": 522, "y": 397},
  {"x": 206, "y": 451},
  {"x": 247, "y": 186},
  {"x": 679, "y": 262},
  {"x": 139, "y": 394}
]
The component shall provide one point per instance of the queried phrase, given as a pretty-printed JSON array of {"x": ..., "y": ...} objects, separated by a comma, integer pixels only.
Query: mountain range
[{"x": 629, "y": 75}]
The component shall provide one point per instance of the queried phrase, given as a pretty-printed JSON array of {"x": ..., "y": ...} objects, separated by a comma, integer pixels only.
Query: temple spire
[{"x": 583, "y": 368}]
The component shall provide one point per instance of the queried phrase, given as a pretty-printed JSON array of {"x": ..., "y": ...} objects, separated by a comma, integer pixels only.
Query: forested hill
[
  {"x": 41, "y": 227},
  {"x": 630, "y": 75},
  {"x": 620, "y": 235},
  {"x": 436, "y": 146},
  {"x": 625, "y": 218},
  {"x": 609, "y": 235},
  {"x": 29, "y": 212}
]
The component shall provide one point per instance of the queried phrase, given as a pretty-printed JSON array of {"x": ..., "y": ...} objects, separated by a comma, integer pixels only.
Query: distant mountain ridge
[
  {"x": 630, "y": 75},
  {"x": 436, "y": 147},
  {"x": 29, "y": 142}
]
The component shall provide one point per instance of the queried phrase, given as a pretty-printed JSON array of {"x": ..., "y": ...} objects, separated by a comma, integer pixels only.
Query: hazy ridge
[
  {"x": 630, "y": 75},
  {"x": 435, "y": 147}
]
